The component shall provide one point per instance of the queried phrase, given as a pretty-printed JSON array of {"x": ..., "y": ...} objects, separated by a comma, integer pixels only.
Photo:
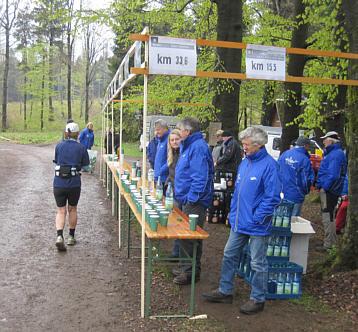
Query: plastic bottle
[
  {"x": 279, "y": 289},
  {"x": 169, "y": 198},
  {"x": 295, "y": 284},
  {"x": 57, "y": 170},
  {"x": 284, "y": 247},
  {"x": 277, "y": 247},
  {"x": 73, "y": 171},
  {"x": 288, "y": 284},
  {"x": 134, "y": 168},
  {"x": 270, "y": 247},
  {"x": 121, "y": 159},
  {"x": 159, "y": 190},
  {"x": 151, "y": 179}
]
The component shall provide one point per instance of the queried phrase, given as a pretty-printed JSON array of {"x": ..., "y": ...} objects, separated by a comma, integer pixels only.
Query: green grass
[
  {"x": 310, "y": 303},
  {"x": 34, "y": 137}
]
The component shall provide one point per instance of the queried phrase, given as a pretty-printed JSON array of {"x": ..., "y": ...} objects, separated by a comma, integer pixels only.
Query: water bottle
[
  {"x": 159, "y": 190},
  {"x": 288, "y": 284},
  {"x": 295, "y": 284},
  {"x": 169, "y": 198},
  {"x": 284, "y": 247},
  {"x": 279, "y": 289},
  {"x": 270, "y": 247},
  {"x": 73, "y": 171},
  {"x": 57, "y": 170},
  {"x": 277, "y": 247},
  {"x": 134, "y": 168},
  {"x": 121, "y": 159},
  {"x": 151, "y": 179}
]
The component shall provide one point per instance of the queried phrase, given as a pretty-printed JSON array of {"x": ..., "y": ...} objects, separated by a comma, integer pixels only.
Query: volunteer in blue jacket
[
  {"x": 194, "y": 189},
  {"x": 152, "y": 151},
  {"x": 297, "y": 173},
  {"x": 70, "y": 157},
  {"x": 330, "y": 180},
  {"x": 257, "y": 193},
  {"x": 162, "y": 132},
  {"x": 86, "y": 137}
]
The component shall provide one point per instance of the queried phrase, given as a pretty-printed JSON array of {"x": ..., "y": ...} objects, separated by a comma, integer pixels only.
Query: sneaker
[
  {"x": 71, "y": 240},
  {"x": 217, "y": 296},
  {"x": 251, "y": 307},
  {"x": 177, "y": 272},
  {"x": 185, "y": 279},
  {"x": 60, "y": 243}
]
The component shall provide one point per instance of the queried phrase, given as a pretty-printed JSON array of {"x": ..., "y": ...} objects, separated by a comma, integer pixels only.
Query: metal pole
[
  {"x": 146, "y": 59},
  {"x": 120, "y": 170}
]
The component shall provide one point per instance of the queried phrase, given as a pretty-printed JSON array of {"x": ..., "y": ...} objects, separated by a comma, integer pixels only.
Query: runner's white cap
[{"x": 72, "y": 128}]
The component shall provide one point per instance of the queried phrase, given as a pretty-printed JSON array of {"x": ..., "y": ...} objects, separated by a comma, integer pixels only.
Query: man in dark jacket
[
  {"x": 296, "y": 173},
  {"x": 257, "y": 192},
  {"x": 194, "y": 189},
  {"x": 330, "y": 180},
  {"x": 230, "y": 157},
  {"x": 109, "y": 142}
]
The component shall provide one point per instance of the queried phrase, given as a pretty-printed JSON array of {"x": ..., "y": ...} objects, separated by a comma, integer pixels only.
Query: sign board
[
  {"x": 266, "y": 62},
  {"x": 213, "y": 128},
  {"x": 172, "y": 56}
]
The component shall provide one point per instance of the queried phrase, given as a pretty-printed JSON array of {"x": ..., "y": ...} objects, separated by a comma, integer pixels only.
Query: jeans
[
  {"x": 296, "y": 211},
  {"x": 258, "y": 250},
  {"x": 188, "y": 245}
]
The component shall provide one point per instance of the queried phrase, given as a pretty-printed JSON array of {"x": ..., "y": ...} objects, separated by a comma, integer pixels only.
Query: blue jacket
[
  {"x": 86, "y": 138},
  {"x": 194, "y": 172},
  {"x": 256, "y": 195},
  {"x": 161, "y": 158},
  {"x": 151, "y": 151},
  {"x": 297, "y": 174},
  {"x": 332, "y": 171},
  {"x": 70, "y": 153}
]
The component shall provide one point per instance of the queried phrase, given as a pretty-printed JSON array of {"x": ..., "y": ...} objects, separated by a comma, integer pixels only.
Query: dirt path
[{"x": 93, "y": 287}]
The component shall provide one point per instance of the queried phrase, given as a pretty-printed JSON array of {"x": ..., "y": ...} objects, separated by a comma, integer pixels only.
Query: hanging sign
[
  {"x": 266, "y": 62},
  {"x": 172, "y": 56}
]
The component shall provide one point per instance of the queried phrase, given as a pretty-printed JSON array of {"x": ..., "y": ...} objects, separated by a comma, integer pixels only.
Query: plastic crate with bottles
[{"x": 281, "y": 219}]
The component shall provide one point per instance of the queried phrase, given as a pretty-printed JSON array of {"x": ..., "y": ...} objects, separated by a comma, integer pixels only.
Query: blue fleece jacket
[
  {"x": 257, "y": 193},
  {"x": 152, "y": 151},
  {"x": 194, "y": 172},
  {"x": 161, "y": 158},
  {"x": 332, "y": 171},
  {"x": 70, "y": 153},
  {"x": 86, "y": 138},
  {"x": 297, "y": 174}
]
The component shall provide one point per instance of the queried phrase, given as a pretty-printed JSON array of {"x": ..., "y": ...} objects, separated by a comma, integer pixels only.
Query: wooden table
[{"x": 177, "y": 228}]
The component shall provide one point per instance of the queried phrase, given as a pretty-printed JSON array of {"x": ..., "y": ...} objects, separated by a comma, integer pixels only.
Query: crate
[
  {"x": 289, "y": 268},
  {"x": 281, "y": 219}
]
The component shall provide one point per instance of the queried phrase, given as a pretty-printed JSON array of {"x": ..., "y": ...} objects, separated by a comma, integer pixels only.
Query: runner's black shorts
[{"x": 62, "y": 195}]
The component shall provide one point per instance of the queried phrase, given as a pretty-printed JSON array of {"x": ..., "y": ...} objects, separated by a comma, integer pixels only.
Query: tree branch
[{"x": 187, "y": 3}]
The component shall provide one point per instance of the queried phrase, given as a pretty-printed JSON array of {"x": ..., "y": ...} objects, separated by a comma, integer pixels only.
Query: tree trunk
[
  {"x": 229, "y": 28},
  {"x": 268, "y": 105},
  {"x": 69, "y": 73},
  {"x": 348, "y": 254},
  {"x": 293, "y": 91},
  {"x": 51, "y": 114},
  {"x": 6, "y": 69}
]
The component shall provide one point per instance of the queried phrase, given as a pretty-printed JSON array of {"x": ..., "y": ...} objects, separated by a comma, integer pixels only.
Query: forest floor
[{"x": 95, "y": 287}]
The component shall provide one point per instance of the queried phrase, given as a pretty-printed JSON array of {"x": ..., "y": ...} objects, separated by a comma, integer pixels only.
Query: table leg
[
  {"x": 149, "y": 272},
  {"x": 193, "y": 267},
  {"x": 129, "y": 232}
]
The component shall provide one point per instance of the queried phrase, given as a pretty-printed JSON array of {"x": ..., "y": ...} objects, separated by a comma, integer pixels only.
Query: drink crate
[
  {"x": 284, "y": 280},
  {"x": 291, "y": 286},
  {"x": 281, "y": 219}
]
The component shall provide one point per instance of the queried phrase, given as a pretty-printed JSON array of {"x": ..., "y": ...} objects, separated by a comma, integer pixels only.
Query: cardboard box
[{"x": 301, "y": 230}]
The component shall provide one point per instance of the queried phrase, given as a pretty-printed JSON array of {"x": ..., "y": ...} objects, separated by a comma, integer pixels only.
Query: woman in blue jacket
[
  {"x": 86, "y": 137},
  {"x": 257, "y": 193}
]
